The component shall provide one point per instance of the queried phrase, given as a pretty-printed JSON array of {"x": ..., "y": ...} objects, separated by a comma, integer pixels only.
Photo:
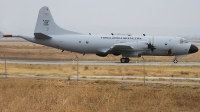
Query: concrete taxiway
[
  {"x": 116, "y": 63},
  {"x": 123, "y": 79},
  {"x": 120, "y": 79}
]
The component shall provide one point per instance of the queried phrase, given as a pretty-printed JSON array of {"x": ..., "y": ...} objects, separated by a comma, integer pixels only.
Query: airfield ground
[
  {"x": 100, "y": 70},
  {"x": 34, "y": 94},
  {"x": 44, "y": 95}
]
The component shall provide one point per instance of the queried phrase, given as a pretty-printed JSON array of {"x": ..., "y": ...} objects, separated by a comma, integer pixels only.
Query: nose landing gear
[
  {"x": 175, "y": 60},
  {"x": 124, "y": 60}
]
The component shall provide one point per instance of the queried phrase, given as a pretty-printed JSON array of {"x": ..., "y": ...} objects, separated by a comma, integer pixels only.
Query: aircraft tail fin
[{"x": 46, "y": 25}]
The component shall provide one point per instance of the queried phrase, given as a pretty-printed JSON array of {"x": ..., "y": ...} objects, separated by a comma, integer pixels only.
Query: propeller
[{"x": 151, "y": 46}]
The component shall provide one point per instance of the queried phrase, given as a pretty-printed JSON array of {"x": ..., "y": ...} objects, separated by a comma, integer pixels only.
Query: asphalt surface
[{"x": 135, "y": 63}]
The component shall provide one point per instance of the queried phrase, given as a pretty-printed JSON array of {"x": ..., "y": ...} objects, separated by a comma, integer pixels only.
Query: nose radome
[{"x": 193, "y": 49}]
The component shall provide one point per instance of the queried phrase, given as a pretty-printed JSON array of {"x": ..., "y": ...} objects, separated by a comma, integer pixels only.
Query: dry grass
[
  {"x": 44, "y": 95},
  {"x": 31, "y": 95},
  {"x": 88, "y": 70},
  {"x": 27, "y": 50}
]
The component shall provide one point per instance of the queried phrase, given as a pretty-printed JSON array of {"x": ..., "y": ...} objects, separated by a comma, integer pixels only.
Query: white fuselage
[{"x": 93, "y": 44}]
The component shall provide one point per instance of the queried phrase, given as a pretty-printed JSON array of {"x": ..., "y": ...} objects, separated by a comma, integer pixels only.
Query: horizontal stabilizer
[{"x": 41, "y": 36}]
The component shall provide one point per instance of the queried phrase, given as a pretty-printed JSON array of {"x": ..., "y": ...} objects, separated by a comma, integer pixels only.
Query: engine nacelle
[
  {"x": 102, "y": 54},
  {"x": 116, "y": 54},
  {"x": 134, "y": 54}
]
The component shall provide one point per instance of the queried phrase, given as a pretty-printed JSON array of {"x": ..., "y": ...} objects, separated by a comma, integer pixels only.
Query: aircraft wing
[
  {"x": 128, "y": 47},
  {"x": 121, "y": 46}
]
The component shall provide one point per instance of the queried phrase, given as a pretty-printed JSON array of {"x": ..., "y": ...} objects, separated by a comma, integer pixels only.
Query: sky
[{"x": 136, "y": 17}]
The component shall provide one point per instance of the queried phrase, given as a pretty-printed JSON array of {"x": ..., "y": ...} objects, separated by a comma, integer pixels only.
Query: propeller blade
[
  {"x": 151, "y": 47},
  {"x": 152, "y": 40}
]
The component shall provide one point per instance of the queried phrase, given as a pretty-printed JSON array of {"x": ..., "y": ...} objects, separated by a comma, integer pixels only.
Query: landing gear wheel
[
  {"x": 175, "y": 61},
  {"x": 124, "y": 60},
  {"x": 127, "y": 60}
]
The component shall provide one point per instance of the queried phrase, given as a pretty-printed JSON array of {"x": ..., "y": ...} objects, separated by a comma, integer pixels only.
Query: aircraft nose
[{"x": 193, "y": 49}]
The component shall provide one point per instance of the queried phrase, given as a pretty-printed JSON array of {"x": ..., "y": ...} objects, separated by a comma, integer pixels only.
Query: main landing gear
[{"x": 124, "y": 60}]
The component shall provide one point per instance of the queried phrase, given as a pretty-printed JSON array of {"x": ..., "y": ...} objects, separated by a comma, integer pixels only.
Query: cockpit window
[{"x": 183, "y": 41}]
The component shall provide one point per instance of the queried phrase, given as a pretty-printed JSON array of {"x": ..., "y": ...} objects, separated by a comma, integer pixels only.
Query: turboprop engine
[{"x": 102, "y": 54}]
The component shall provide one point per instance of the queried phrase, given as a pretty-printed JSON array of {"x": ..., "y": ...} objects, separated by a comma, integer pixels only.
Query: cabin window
[{"x": 183, "y": 41}]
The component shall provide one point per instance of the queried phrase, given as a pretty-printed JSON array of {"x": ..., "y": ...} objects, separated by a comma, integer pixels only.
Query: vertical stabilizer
[{"x": 46, "y": 25}]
